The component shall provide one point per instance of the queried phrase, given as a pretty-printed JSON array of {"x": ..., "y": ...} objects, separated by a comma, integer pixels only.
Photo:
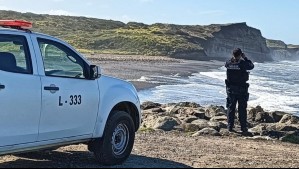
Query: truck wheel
[{"x": 118, "y": 140}]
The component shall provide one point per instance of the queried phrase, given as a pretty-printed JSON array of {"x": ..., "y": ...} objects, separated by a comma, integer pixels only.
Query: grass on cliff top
[
  {"x": 112, "y": 37},
  {"x": 138, "y": 41}
]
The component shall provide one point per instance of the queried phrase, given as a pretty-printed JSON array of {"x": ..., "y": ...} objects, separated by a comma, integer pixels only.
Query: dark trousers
[{"x": 232, "y": 101}]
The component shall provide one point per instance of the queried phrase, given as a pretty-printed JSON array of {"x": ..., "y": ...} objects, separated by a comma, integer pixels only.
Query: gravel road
[{"x": 168, "y": 150}]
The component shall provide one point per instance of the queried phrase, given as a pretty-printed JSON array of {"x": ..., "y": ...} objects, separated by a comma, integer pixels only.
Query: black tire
[{"x": 105, "y": 151}]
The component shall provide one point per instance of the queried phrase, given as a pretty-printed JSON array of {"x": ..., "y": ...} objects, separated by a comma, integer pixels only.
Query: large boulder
[
  {"x": 289, "y": 119},
  {"x": 207, "y": 132},
  {"x": 175, "y": 110},
  {"x": 187, "y": 111},
  {"x": 158, "y": 110},
  {"x": 149, "y": 121},
  {"x": 199, "y": 114},
  {"x": 217, "y": 125},
  {"x": 263, "y": 117},
  {"x": 274, "y": 130},
  {"x": 201, "y": 123},
  {"x": 149, "y": 105},
  {"x": 252, "y": 113},
  {"x": 277, "y": 116},
  {"x": 258, "y": 115},
  {"x": 166, "y": 123},
  {"x": 188, "y": 104},
  {"x": 213, "y": 111},
  {"x": 190, "y": 127},
  {"x": 285, "y": 127},
  {"x": 219, "y": 118},
  {"x": 260, "y": 129},
  {"x": 190, "y": 119}
]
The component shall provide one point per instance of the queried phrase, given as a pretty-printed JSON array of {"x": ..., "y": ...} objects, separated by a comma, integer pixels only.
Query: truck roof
[
  {"x": 11, "y": 30},
  {"x": 18, "y": 26}
]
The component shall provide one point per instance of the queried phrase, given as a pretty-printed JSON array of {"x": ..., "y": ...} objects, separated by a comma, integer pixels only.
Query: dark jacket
[{"x": 237, "y": 71}]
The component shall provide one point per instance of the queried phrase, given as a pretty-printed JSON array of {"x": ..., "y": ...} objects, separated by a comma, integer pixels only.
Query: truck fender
[{"x": 108, "y": 100}]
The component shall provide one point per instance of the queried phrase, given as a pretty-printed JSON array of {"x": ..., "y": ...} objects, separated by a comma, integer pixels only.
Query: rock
[
  {"x": 285, "y": 127},
  {"x": 190, "y": 111},
  {"x": 178, "y": 128},
  {"x": 199, "y": 114},
  {"x": 274, "y": 130},
  {"x": 213, "y": 111},
  {"x": 253, "y": 113},
  {"x": 217, "y": 125},
  {"x": 188, "y": 104},
  {"x": 149, "y": 105},
  {"x": 166, "y": 123},
  {"x": 190, "y": 127},
  {"x": 219, "y": 118},
  {"x": 186, "y": 111},
  {"x": 168, "y": 105},
  {"x": 201, "y": 123},
  {"x": 263, "y": 117},
  {"x": 260, "y": 129},
  {"x": 207, "y": 131},
  {"x": 289, "y": 119},
  {"x": 157, "y": 110},
  {"x": 149, "y": 121},
  {"x": 175, "y": 110},
  {"x": 277, "y": 116},
  {"x": 276, "y": 134},
  {"x": 190, "y": 119}
]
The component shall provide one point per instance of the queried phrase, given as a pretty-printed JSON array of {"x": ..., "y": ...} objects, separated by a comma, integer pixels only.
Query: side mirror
[{"x": 95, "y": 72}]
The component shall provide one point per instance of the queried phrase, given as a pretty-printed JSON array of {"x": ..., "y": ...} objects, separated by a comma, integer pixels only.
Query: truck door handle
[
  {"x": 51, "y": 88},
  {"x": 2, "y": 86}
]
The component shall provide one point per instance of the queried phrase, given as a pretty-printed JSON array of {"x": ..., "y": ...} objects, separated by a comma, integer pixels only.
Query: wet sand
[{"x": 132, "y": 68}]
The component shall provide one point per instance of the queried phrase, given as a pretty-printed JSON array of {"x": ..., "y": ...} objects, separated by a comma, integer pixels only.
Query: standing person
[{"x": 237, "y": 88}]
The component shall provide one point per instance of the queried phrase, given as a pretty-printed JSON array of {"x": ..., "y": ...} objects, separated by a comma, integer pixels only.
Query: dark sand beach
[{"x": 134, "y": 67}]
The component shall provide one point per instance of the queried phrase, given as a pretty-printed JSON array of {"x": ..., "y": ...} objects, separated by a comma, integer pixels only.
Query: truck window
[
  {"x": 14, "y": 54},
  {"x": 60, "y": 61}
]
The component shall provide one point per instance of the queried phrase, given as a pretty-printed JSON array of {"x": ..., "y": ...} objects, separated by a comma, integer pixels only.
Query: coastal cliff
[
  {"x": 195, "y": 42},
  {"x": 222, "y": 39},
  {"x": 281, "y": 51}
]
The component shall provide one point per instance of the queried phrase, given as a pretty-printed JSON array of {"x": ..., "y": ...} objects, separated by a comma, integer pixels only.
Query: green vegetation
[
  {"x": 91, "y": 35},
  {"x": 293, "y": 46},
  {"x": 276, "y": 44},
  {"x": 292, "y": 138}
]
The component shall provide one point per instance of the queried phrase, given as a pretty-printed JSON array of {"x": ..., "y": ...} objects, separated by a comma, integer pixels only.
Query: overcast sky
[{"x": 277, "y": 19}]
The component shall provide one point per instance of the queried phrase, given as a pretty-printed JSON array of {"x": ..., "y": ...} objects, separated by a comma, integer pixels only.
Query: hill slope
[{"x": 91, "y": 35}]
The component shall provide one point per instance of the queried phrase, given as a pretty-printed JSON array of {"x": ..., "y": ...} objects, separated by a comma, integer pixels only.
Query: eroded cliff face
[
  {"x": 232, "y": 36},
  {"x": 218, "y": 42},
  {"x": 281, "y": 51}
]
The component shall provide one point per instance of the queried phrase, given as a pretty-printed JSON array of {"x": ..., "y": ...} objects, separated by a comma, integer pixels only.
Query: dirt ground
[{"x": 171, "y": 150}]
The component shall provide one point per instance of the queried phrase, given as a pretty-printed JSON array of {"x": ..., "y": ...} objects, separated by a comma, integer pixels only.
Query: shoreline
[
  {"x": 132, "y": 68},
  {"x": 136, "y": 69}
]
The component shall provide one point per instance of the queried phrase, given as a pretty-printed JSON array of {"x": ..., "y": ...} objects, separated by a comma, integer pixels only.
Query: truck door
[
  {"x": 20, "y": 91},
  {"x": 69, "y": 101}
]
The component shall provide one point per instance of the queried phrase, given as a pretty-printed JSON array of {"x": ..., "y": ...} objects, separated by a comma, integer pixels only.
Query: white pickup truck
[{"x": 51, "y": 96}]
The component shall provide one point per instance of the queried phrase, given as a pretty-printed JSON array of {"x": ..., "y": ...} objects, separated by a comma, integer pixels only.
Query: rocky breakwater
[{"x": 197, "y": 120}]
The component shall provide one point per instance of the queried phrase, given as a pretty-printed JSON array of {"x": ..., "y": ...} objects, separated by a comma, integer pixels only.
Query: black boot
[{"x": 244, "y": 130}]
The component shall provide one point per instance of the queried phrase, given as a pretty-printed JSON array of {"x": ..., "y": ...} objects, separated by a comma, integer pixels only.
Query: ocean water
[{"x": 274, "y": 86}]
